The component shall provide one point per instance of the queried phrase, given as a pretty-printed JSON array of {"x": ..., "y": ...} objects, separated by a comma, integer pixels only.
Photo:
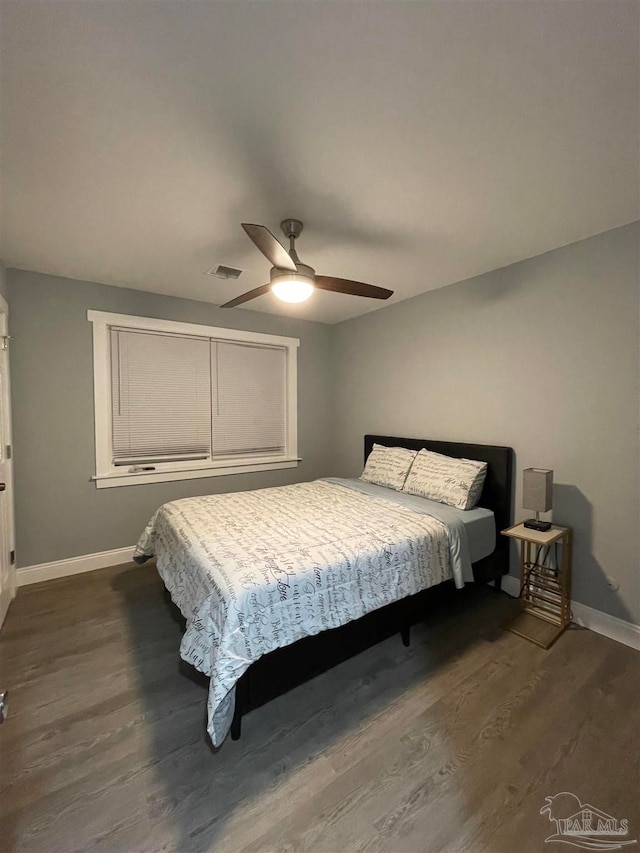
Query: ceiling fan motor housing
[
  {"x": 304, "y": 273},
  {"x": 291, "y": 228}
]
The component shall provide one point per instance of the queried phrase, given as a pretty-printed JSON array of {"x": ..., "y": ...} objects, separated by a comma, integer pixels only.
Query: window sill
[{"x": 126, "y": 478}]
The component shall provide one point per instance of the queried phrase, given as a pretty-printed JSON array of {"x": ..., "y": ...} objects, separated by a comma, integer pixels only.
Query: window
[{"x": 175, "y": 401}]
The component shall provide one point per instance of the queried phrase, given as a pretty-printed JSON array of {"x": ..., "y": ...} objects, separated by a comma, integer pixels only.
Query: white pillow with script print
[
  {"x": 456, "y": 482},
  {"x": 388, "y": 466}
]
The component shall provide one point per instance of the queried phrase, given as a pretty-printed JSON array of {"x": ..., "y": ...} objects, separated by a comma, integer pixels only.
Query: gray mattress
[{"x": 479, "y": 523}]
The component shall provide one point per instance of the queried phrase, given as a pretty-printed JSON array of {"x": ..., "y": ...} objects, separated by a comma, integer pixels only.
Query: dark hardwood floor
[{"x": 450, "y": 745}]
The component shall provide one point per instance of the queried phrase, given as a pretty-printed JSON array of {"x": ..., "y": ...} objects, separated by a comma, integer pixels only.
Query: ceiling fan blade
[
  {"x": 353, "y": 288},
  {"x": 272, "y": 249},
  {"x": 245, "y": 297}
]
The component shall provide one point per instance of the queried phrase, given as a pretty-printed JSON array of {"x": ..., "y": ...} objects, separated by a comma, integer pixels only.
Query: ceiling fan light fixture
[{"x": 292, "y": 288}]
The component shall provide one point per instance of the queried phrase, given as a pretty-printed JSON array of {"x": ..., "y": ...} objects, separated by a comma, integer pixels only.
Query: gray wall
[
  {"x": 541, "y": 356},
  {"x": 59, "y": 512}
]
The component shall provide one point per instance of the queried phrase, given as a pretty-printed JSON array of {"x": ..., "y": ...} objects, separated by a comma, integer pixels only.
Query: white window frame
[{"x": 109, "y": 475}]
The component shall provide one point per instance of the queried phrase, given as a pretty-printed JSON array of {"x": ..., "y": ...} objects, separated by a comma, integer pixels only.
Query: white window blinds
[
  {"x": 249, "y": 396},
  {"x": 176, "y": 397},
  {"x": 161, "y": 397}
]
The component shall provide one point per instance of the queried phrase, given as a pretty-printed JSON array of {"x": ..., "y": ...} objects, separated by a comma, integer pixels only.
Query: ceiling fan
[{"x": 291, "y": 280}]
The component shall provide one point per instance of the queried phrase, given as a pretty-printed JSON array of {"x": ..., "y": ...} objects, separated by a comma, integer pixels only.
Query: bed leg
[
  {"x": 497, "y": 584},
  {"x": 236, "y": 723},
  {"x": 242, "y": 696},
  {"x": 405, "y": 633}
]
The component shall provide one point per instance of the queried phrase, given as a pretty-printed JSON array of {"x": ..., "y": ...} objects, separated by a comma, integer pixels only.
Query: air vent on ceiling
[{"x": 225, "y": 272}]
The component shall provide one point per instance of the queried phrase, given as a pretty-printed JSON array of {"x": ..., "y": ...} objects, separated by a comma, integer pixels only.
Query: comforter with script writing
[{"x": 255, "y": 571}]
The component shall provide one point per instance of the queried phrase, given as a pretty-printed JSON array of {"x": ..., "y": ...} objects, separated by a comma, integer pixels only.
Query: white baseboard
[
  {"x": 610, "y": 626},
  {"x": 73, "y": 566},
  {"x": 595, "y": 620}
]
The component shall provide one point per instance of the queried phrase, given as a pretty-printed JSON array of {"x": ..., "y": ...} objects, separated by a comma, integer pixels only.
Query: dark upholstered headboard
[{"x": 497, "y": 494}]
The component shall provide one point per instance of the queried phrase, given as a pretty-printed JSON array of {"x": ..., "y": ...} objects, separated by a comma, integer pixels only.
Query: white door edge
[{"x": 8, "y": 583}]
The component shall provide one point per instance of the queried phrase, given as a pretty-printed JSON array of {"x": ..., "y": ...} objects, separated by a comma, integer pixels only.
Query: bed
[{"x": 277, "y": 585}]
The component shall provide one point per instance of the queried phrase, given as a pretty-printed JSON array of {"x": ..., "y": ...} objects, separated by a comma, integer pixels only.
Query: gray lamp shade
[{"x": 537, "y": 487}]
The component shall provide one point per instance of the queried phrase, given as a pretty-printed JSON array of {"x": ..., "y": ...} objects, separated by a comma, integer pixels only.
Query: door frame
[{"x": 6, "y": 596}]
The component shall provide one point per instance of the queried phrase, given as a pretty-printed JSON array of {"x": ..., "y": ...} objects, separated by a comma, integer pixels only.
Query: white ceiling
[{"x": 421, "y": 142}]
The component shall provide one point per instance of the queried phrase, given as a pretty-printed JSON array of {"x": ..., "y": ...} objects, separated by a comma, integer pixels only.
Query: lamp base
[{"x": 534, "y": 524}]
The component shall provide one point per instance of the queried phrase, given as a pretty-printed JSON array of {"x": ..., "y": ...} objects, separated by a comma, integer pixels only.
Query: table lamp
[{"x": 537, "y": 486}]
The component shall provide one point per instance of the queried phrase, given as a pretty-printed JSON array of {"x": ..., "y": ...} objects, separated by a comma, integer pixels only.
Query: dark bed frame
[{"x": 286, "y": 668}]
